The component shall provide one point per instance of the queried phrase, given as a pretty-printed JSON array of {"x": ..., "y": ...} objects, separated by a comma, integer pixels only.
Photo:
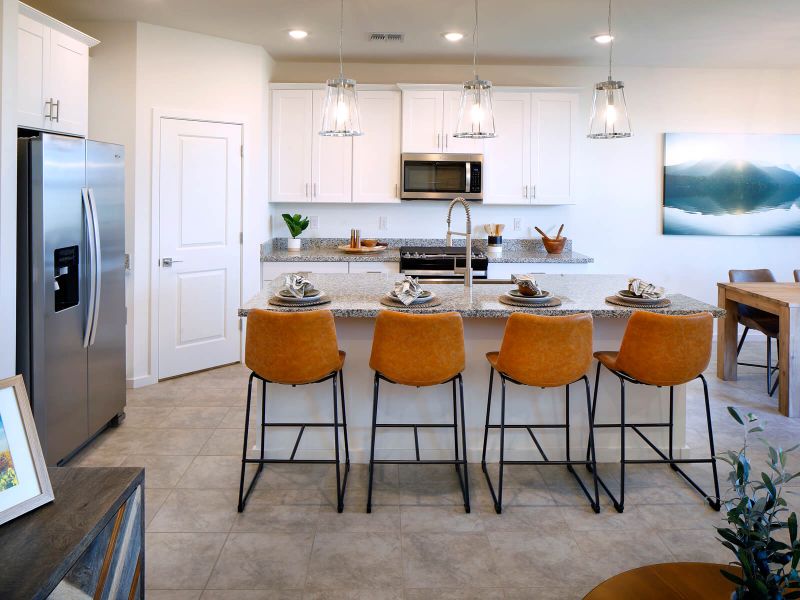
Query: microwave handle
[{"x": 469, "y": 177}]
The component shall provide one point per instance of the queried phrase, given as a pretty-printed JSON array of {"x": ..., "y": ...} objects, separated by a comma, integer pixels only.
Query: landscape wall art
[
  {"x": 8, "y": 475},
  {"x": 731, "y": 184}
]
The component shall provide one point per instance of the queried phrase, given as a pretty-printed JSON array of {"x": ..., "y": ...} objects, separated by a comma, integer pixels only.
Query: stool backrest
[
  {"x": 750, "y": 276},
  {"x": 291, "y": 348},
  {"x": 666, "y": 349},
  {"x": 797, "y": 275},
  {"x": 418, "y": 350},
  {"x": 546, "y": 351}
]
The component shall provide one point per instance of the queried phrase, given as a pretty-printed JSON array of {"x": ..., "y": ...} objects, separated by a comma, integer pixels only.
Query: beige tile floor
[{"x": 418, "y": 544}]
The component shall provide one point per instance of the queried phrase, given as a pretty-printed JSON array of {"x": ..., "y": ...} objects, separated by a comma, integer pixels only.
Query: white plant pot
[{"x": 294, "y": 244}]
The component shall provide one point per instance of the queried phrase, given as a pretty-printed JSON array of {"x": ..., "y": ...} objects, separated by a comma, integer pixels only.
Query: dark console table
[{"x": 89, "y": 540}]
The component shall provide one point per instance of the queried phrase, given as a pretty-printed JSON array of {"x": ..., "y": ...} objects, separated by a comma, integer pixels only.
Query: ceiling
[{"x": 681, "y": 33}]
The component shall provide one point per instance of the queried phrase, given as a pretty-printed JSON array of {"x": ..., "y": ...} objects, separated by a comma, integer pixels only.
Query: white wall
[
  {"x": 220, "y": 79},
  {"x": 618, "y": 182},
  {"x": 8, "y": 186}
]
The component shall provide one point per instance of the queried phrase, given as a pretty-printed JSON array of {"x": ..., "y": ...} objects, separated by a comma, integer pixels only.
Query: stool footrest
[
  {"x": 412, "y": 461},
  {"x": 429, "y": 425},
  {"x": 304, "y": 461},
  {"x": 547, "y": 462},
  {"x": 518, "y": 426},
  {"x": 302, "y": 424}
]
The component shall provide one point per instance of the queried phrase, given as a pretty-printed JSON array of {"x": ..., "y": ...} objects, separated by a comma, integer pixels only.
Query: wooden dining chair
[{"x": 797, "y": 275}]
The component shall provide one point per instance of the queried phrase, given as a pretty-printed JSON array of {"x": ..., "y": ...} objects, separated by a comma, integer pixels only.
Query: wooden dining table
[
  {"x": 668, "y": 581},
  {"x": 782, "y": 299}
]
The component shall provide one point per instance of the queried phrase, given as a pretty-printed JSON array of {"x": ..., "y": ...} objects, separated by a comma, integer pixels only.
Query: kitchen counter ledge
[{"x": 358, "y": 296}]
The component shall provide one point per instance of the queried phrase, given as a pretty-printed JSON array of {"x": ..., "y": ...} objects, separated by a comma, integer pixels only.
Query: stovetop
[{"x": 434, "y": 252}]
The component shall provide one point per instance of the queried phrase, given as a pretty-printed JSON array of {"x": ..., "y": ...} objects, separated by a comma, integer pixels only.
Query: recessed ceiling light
[
  {"x": 298, "y": 34},
  {"x": 453, "y": 36},
  {"x": 603, "y": 38}
]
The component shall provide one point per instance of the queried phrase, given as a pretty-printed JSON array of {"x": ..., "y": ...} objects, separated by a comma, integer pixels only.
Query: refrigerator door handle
[
  {"x": 98, "y": 269},
  {"x": 92, "y": 262}
]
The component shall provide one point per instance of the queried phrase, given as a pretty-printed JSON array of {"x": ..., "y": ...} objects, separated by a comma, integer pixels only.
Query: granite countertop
[
  {"x": 358, "y": 295},
  {"x": 324, "y": 250}
]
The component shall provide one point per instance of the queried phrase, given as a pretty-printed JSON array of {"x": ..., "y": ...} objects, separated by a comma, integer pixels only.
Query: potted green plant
[
  {"x": 297, "y": 224},
  {"x": 755, "y": 512}
]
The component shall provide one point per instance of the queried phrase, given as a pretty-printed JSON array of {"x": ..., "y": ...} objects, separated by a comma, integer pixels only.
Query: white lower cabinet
[
  {"x": 271, "y": 270},
  {"x": 374, "y": 267},
  {"x": 506, "y": 270}
]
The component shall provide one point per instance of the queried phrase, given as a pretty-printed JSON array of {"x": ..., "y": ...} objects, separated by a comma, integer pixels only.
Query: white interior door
[
  {"x": 200, "y": 198},
  {"x": 508, "y": 156}
]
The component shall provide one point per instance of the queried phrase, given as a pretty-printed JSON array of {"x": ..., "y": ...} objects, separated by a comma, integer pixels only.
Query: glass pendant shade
[
  {"x": 475, "y": 114},
  {"x": 609, "y": 112},
  {"x": 340, "y": 116}
]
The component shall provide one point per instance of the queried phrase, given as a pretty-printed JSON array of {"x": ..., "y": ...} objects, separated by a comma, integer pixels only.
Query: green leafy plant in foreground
[
  {"x": 754, "y": 512},
  {"x": 297, "y": 224}
]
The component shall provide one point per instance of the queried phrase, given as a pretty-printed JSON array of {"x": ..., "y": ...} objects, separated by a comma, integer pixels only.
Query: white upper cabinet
[
  {"x": 530, "y": 162},
  {"x": 376, "y": 154},
  {"x": 452, "y": 102},
  {"x": 423, "y": 112},
  {"x": 292, "y": 131},
  {"x": 331, "y": 161},
  {"x": 507, "y": 161},
  {"x": 52, "y": 74},
  {"x": 553, "y": 122}
]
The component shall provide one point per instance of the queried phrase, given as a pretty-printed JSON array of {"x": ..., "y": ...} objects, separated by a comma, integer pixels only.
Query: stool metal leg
[
  {"x": 344, "y": 422},
  {"x": 715, "y": 504},
  {"x": 240, "y": 506},
  {"x": 455, "y": 431},
  {"x": 671, "y": 426},
  {"x": 465, "y": 485},
  {"x": 372, "y": 442},
  {"x": 488, "y": 412},
  {"x": 590, "y": 415},
  {"x": 339, "y": 491},
  {"x": 566, "y": 431},
  {"x": 594, "y": 406},
  {"x": 620, "y": 506}
]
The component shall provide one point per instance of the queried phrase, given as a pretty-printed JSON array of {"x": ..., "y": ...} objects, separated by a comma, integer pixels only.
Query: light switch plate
[
  {"x": 313, "y": 223},
  {"x": 517, "y": 223},
  {"x": 383, "y": 223}
]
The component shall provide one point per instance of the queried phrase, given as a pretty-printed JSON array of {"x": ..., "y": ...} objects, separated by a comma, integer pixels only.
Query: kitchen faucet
[{"x": 467, "y": 234}]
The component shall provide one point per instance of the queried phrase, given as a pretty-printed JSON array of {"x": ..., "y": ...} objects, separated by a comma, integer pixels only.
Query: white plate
[
  {"x": 424, "y": 297},
  {"x": 628, "y": 296},
  {"x": 519, "y": 295},
  {"x": 305, "y": 300},
  {"x": 310, "y": 295},
  {"x": 529, "y": 299}
]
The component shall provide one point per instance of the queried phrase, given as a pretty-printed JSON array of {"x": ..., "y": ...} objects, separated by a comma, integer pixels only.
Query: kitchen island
[{"x": 356, "y": 302}]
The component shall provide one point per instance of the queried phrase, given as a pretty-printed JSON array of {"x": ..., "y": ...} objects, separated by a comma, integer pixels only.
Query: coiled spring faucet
[{"x": 467, "y": 234}]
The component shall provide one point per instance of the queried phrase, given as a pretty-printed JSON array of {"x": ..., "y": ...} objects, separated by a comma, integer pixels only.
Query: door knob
[{"x": 167, "y": 262}]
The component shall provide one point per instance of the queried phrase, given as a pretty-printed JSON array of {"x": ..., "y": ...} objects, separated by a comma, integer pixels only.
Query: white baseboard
[{"x": 141, "y": 381}]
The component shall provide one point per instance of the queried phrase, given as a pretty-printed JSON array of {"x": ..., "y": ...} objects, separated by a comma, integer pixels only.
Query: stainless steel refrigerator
[{"x": 71, "y": 288}]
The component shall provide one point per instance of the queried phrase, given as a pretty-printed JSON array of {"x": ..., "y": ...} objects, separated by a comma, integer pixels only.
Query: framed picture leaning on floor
[{"x": 24, "y": 483}]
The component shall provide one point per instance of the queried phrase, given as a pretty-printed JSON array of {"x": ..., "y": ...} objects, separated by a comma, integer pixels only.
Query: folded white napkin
[
  {"x": 407, "y": 290},
  {"x": 297, "y": 285},
  {"x": 644, "y": 288},
  {"x": 527, "y": 283}
]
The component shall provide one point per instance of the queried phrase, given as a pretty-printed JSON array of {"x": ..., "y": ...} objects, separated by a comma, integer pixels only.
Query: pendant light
[
  {"x": 609, "y": 118},
  {"x": 475, "y": 114},
  {"x": 340, "y": 116}
]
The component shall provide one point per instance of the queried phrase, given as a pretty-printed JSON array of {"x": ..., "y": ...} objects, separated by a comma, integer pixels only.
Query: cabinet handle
[
  {"x": 57, "y": 105},
  {"x": 534, "y": 191},
  {"x": 314, "y": 190},
  {"x": 396, "y": 194},
  {"x": 446, "y": 141},
  {"x": 525, "y": 191},
  {"x": 306, "y": 192},
  {"x": 48, "y": 108},
  {"x": 438, "y": 140}
]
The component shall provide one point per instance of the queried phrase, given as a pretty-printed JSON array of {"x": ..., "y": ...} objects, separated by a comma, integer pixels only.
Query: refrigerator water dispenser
[{"x": 66, "y": 282}]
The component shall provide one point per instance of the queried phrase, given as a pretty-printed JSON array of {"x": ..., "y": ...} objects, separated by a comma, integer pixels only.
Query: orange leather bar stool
[
  {"x": 664, "y": 351},
  {"x": 313, "y": 356},
  {"x": 419, "y": 351},
  {"x": 753, "y": 318},
  {"x": 543, "y": 352}
]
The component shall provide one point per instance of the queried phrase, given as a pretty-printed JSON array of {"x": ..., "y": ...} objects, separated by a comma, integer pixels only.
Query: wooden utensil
[
  {"x": 560, "y": 229},
  {"x": 543, "y": 234}
]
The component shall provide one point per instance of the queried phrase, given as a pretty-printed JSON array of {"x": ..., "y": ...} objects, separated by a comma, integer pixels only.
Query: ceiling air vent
[{"x": 387, "y": 37}]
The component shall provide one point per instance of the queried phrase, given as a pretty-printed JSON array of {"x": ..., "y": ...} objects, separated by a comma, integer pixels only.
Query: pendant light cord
[
  {"x": 475, "y": 44},
  {"x": 341, "y": 30},
  {"x": 611, "y": 42}
]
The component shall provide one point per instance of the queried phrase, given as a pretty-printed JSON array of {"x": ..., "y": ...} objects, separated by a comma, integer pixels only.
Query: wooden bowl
[
  {"x": 369, "y": 243},
  {"x": 554, "y": 246}
]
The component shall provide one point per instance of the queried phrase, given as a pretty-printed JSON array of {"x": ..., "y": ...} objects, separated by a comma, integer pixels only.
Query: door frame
[{"x": 155, "y": 209}]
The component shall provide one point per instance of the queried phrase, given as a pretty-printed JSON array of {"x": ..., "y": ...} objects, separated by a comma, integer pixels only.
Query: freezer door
[
  {"x": 58, "y": 317},
  {"x": 105, "y": 186}
]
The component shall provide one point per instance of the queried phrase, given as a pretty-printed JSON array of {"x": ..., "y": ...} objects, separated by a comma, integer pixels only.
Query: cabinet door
[
  {"x": 292, "y": 128},
  {"x": 553, "y": 129},
  {"x": 68, "y": 84},
  {"x": 507, "y": 167},
  {"x": 375, "y": 267},
  {"x": 376, "y": 154},
  {"x": 452, "y": 102},
  {"x": 422, "y": 120},
  {"x": 33, "y": 57},
  {"x": 331, "y": 162}
]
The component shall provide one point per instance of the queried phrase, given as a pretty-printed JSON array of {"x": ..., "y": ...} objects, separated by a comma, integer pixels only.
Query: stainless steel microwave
[{"x": 441, "y": 176}]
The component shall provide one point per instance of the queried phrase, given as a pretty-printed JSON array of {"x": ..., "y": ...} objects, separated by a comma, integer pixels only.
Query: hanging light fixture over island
[
  {"x": 475, "y": 114},
  {"x": 340, "y": 116},
  {"x": 609, "y": 118}
]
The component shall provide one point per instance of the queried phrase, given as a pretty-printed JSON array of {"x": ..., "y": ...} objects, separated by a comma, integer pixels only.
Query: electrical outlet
[
  {"x": 383, "y": 223},
  {"x": 313, "y": 223},
  {"x": 517, "y": 223}
]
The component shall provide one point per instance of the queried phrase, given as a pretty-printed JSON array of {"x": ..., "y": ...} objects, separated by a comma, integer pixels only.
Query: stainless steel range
[{"x": 441, "y": 262}]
